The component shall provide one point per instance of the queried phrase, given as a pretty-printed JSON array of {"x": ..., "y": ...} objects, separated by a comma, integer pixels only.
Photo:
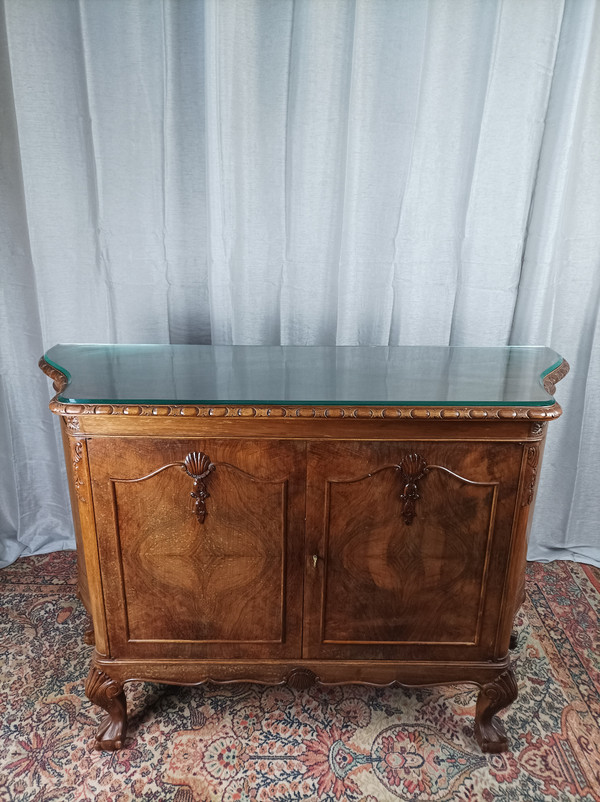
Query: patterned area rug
[{"x": 247, "y": 742}]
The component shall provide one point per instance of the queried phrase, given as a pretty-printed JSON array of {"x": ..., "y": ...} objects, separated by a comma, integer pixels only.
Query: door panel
[
  {"x": 200, "y": 545},
  {"x": 412, "y": 541}
]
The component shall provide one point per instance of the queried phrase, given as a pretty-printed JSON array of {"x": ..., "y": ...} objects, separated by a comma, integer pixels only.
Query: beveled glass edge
[{"x": 556, "y": 366}]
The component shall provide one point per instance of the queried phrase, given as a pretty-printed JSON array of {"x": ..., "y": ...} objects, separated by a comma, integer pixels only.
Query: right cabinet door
[{"x": 408, "y": 546}]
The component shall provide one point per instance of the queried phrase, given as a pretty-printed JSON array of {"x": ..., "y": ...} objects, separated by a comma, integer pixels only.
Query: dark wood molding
[
  {"x": 376, "y": 673},
  {"x": 541, "y": 413}
]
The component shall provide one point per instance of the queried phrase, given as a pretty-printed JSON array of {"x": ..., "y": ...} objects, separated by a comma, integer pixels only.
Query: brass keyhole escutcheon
[{"x": 315, "y": 560}]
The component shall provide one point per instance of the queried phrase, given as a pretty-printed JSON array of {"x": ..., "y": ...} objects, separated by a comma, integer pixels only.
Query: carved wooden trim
[
  {"x": 77, "y": 480},
  {"x": 531, "y": 466},
  {"x": 537, "y": 428},
  {"x": 198, "y": 466},
  {"x": 412, "y": 469},
  {"x": 59, "y": 380},
  {"x": 301, "y": 679},
  {"x": 329, "y": 413},
  {"x": 105, "y": 692},
  {"x": 552, "y": 379},
  {"x": 493, "y": 697}
]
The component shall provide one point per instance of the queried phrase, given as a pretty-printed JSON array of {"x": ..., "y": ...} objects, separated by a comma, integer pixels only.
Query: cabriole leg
[
  {"x": 493, "y": 697},
  {"x": 108, "y": 694}
]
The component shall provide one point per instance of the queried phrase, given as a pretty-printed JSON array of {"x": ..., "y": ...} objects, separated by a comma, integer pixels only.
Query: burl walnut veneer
[{"x": 278, "y": 514}]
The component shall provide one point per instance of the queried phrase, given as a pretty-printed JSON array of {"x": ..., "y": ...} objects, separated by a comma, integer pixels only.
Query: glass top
[{"x": 304, "y": 375}]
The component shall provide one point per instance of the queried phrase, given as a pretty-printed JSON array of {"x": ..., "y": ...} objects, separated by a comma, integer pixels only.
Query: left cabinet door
[{"x": 200, "y": 545}]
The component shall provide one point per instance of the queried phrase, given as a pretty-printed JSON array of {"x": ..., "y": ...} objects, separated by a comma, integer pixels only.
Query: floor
[{"x": 244, "y": 743}]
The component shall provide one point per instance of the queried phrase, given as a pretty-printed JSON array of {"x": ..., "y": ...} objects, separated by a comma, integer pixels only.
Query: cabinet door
[
  {"x": 411, "y": 542},
  {"x": 200, "y": 545}
]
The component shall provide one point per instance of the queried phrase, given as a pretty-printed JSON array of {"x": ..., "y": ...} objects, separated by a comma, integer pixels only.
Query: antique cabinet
[{"x": 288, "y": 514}]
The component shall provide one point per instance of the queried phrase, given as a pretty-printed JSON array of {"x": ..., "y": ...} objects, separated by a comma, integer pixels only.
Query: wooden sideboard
[{"x": 228, "y": 529}]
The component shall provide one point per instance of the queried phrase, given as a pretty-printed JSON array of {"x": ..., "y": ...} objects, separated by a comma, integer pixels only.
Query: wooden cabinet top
[{"x": 323, "y": 377}]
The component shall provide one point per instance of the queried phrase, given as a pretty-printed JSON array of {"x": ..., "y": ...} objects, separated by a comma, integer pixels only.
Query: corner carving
[
  {"x": 412, "y": 469},
  {"x": 59, "y": 380},
  {"x": 198, "y": 466},
  {"x": 531, "y": 466},
  {"x": 552, "y": 379}
]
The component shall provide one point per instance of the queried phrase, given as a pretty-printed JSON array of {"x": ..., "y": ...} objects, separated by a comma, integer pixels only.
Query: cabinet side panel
[
  {"x": 82, "y": 580},
  {"x": 84, "y": 516}
]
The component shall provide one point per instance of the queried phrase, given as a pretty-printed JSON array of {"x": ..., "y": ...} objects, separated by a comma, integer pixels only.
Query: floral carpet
[{"x": 356, "y": 744}]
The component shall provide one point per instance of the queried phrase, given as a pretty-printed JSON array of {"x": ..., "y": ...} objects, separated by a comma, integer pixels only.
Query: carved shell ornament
[
  {"x": 198, "y": 466},
  {"x": 412, "y": 469}
]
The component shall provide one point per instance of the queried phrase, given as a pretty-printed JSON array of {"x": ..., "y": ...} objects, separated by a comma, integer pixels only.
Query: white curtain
[{"x": 299, "y": 172}]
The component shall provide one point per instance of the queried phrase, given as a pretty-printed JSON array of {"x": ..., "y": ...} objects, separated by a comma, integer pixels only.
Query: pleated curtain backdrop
[{"x": 299, "y": 172}]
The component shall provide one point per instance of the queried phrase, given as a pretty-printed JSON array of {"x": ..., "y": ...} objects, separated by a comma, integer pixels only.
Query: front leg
[
  {"x": 108, "y": 694},
  {"x": 493, "y": 697}
]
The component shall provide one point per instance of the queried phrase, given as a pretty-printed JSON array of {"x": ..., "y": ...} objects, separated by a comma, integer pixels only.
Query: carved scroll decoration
[
  {"x": 533, "y": 456},
  {"x": 198, "y": 466},
  {"x": 77, "y": 480},
  {"x": 412, "y": 469},
  {"x": 552, "y": 379}
]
